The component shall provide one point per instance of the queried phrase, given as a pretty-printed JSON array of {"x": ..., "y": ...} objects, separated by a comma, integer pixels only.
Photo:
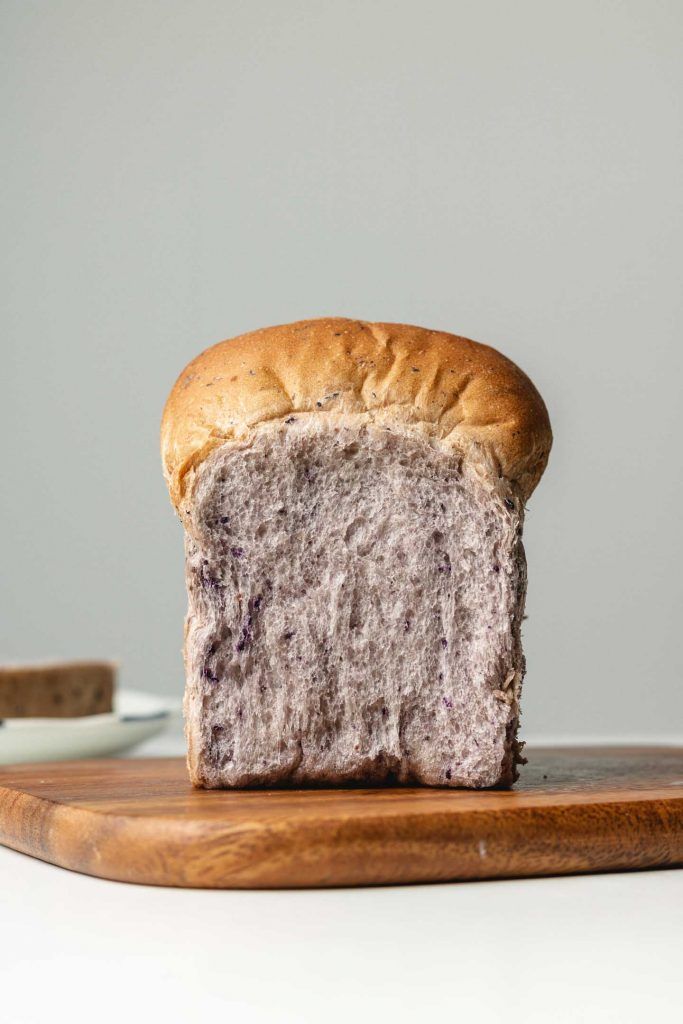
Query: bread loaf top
[{"x": 464, "y": 396}]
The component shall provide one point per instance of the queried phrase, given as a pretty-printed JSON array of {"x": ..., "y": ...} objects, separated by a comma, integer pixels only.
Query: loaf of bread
[
  {"x": 61, "y": 690},
  {"x": 353, "y": 498}
]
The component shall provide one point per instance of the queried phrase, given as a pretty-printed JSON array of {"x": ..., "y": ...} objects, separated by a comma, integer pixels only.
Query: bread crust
[{"x": 464, "y": 396}]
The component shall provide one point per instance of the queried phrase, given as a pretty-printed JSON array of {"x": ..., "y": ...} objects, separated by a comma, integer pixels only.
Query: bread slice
[
  {"x": 62, "y": 690},
  {"x": 354, "y": 562}
]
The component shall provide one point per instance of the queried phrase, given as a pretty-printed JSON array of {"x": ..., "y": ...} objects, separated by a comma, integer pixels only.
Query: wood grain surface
[{"x": 574, "y": 810}]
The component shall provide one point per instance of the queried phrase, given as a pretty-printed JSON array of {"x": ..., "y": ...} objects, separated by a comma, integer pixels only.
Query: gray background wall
[{"x": 177, "y": 172}]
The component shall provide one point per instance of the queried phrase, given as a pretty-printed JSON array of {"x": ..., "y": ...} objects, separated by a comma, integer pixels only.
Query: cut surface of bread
[
  {"x": 355, "y": 603},
  {"x": 60, "y": 690}
]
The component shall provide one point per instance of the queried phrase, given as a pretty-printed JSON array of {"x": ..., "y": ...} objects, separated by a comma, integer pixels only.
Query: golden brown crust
[{"x": 466, "y": 396}]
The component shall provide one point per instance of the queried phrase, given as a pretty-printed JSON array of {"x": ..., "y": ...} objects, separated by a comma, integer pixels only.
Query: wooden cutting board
[{"x": 574, "y": 810}]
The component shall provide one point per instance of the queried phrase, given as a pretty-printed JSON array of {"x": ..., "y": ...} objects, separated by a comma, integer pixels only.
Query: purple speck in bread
[
  {"x": 247, "y": 634},
  {"x": 208, "y": 581}
]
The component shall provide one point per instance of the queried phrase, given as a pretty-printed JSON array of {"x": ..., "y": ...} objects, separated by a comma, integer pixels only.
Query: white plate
[{"x": 136, "y": 717}]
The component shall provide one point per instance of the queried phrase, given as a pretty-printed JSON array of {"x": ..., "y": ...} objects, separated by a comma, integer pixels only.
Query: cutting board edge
[{"x": 435, "y": 846}]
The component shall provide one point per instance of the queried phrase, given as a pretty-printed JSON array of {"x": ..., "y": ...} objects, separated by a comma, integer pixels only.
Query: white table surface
[{"x": 595, "y": 948}]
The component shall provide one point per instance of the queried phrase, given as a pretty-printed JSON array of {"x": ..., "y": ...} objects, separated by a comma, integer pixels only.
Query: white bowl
[{"x": 136, "y": 717}]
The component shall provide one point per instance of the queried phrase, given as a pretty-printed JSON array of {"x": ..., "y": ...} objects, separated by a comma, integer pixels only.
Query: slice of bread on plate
[{"x": 57, "y": 690}]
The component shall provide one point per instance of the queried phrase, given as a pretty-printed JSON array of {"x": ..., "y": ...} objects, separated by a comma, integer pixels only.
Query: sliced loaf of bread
[{"x": 353, "y": 498}]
